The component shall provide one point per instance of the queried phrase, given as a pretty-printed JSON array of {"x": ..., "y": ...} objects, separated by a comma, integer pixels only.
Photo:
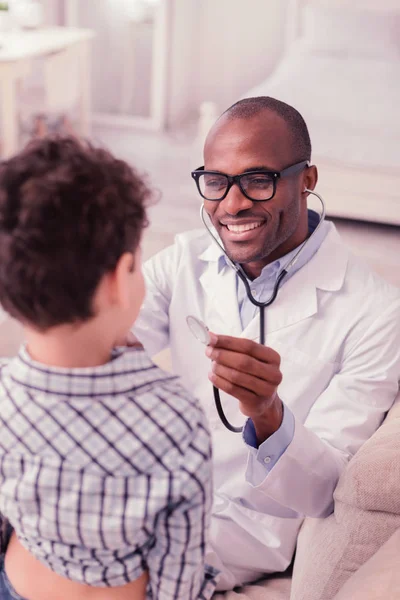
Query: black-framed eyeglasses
[{"x": 257, "y": 186}]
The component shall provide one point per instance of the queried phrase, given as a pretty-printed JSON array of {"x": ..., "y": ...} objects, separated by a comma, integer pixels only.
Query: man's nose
[{"x": 235, "y": 201}]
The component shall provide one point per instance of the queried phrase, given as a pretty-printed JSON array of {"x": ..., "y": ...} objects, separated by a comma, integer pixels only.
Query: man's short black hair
[
  {"x": 250, "y": 107},
  {"x": 68, "y": 211}
]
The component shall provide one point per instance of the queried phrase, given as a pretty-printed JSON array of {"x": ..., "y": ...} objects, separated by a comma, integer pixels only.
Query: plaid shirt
[{"x": 105, "y": 473}]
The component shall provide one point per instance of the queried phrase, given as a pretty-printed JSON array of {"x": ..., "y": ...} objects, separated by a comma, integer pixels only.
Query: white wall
[{"x": 219, "y": 49}]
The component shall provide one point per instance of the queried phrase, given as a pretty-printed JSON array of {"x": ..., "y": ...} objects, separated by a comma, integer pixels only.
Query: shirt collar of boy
[{"x": 127, "y": 371}]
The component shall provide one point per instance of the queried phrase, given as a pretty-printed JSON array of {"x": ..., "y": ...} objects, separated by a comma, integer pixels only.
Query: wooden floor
[{"x": 169, "y": 159}]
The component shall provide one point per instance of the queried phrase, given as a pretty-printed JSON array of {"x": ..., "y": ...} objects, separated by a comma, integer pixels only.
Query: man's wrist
[{"x": 269, "y": 421}]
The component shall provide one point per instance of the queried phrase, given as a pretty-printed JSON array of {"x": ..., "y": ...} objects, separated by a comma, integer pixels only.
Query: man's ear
[
  {"x": 310, "y": 178},
  {"x": 122, "y": 279}
]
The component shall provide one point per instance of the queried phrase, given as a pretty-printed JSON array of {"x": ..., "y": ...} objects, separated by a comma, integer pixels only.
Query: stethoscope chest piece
[
  {"x": 201, "y": 333},
  {"x": 199, "y": 329}
]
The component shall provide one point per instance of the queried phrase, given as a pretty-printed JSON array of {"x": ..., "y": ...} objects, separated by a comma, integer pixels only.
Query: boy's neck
[{"x": 69, "y": 346}]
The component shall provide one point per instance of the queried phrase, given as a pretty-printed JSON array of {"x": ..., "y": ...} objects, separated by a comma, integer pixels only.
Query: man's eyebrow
[
  {"x": 260, "y": 168},
  {"x": 249, "y": 170}
]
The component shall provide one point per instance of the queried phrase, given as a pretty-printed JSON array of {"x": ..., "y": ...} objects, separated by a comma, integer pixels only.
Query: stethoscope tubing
[{"x": 260, "y": 305}]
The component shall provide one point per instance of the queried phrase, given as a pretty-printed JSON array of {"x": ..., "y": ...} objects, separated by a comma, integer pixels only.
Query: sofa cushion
[
  {"x": 378, "y": 578},
  {"x": 367, "y": 513}
]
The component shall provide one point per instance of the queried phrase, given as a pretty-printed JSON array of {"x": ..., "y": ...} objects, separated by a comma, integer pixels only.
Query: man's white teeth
[{"x": 242, "y": 228}]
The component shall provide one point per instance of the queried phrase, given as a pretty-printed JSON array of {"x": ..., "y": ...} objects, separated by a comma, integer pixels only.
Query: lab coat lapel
[
  {"x": 297, "y": 298},
  {"x": 220, "y": 296}
]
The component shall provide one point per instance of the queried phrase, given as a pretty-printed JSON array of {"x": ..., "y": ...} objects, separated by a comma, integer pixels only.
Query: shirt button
[
  {"x": 254, "y": 293},
  {"x": 267, "y": 460}
]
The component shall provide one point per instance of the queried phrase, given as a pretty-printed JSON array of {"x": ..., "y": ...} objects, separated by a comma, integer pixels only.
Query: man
[{"x": 330, "y": 366}]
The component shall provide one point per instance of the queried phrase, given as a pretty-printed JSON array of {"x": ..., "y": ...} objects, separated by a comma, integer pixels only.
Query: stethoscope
[{"x": 200, "y": 330}]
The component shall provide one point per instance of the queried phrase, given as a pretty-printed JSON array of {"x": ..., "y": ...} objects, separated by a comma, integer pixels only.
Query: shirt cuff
[{"x": 263, "y": 458}]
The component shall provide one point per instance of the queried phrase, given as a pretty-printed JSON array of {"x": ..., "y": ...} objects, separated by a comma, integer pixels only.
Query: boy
[{"x": 105, "y": 472}]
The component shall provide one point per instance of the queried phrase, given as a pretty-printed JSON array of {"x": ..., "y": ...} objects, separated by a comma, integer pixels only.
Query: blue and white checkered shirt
[{"x": 105, "y": 473}]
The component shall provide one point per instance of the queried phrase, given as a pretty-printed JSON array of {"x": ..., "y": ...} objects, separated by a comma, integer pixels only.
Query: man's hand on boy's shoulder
[{"x": 131, "y": 341}]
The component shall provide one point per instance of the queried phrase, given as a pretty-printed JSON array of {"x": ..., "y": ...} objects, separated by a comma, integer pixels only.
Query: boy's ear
[{"x": 122, "y": 279}]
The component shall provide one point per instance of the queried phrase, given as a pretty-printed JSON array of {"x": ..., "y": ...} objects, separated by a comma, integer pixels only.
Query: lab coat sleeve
[
  {"x": 152, "y": 325},
  {"x": 344, "y": 416}
]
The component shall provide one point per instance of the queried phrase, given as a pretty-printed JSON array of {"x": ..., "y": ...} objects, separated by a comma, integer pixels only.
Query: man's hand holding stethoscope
[
  {"x": 249, "y": 372},
  {"x": 246, "y": 370}
]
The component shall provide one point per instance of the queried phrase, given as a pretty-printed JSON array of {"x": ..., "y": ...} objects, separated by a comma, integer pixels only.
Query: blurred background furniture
[
  {"x": 341, "y": 71},
  {"x": 132, "y": 47},
  {"x": 66, "y": 55},
  {"x": 48, "y": 100}
]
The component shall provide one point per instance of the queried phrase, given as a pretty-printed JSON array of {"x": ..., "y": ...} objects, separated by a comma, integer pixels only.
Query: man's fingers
[
  {"x": 243, "y": 363},
  {"x": 244, "y": 346},
  {"x": 259, "y": 387},
  {"x": 250, "y": 404},
  {"x": 232, "y": 389}
]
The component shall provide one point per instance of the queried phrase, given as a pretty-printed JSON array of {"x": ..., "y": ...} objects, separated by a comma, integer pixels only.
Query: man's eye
[
  {"x": 259, "y": 181},
  {"x": 215, "y": 183}
]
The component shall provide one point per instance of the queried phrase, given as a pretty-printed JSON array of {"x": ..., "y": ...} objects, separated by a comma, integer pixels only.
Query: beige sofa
[{"x": 354, "y": 553}]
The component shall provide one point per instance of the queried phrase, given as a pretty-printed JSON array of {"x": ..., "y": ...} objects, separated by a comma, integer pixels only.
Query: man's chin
[{"x": 241, "y": 255}]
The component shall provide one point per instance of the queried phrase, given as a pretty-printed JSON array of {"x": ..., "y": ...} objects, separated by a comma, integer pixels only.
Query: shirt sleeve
[
  {"x": 265, "y": 456},
  {"x": 176, "y": 563}
]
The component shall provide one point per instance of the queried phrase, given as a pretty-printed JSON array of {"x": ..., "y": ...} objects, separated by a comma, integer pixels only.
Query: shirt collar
[{"x": 113, "y": 378}]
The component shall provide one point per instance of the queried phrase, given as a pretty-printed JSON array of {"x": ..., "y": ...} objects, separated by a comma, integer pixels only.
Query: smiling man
[
  {"x": 330, "y": 366},
  {"x": 261, "y": 218}
]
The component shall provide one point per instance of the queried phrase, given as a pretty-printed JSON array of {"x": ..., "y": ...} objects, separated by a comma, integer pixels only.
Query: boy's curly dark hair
[{"x": 68, "y": 211}]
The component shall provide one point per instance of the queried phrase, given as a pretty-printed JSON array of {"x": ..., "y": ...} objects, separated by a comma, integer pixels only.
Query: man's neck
[{"x": 254, "y": 269}]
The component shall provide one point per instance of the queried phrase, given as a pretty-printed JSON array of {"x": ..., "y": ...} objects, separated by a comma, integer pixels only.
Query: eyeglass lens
[{"x": 257, "y": 186}]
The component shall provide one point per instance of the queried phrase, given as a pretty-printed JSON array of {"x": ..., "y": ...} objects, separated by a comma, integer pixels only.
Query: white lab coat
[{"x": 336, "y": 326}]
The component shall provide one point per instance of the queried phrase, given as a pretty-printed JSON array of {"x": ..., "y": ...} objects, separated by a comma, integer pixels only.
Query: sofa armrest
[
  {"x": 366, "y": 514},
  {"x": 378, "y": 578}
]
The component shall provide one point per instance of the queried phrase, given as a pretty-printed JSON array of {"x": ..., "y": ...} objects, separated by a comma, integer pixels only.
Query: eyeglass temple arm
[{"x": 294, "y": 168}]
